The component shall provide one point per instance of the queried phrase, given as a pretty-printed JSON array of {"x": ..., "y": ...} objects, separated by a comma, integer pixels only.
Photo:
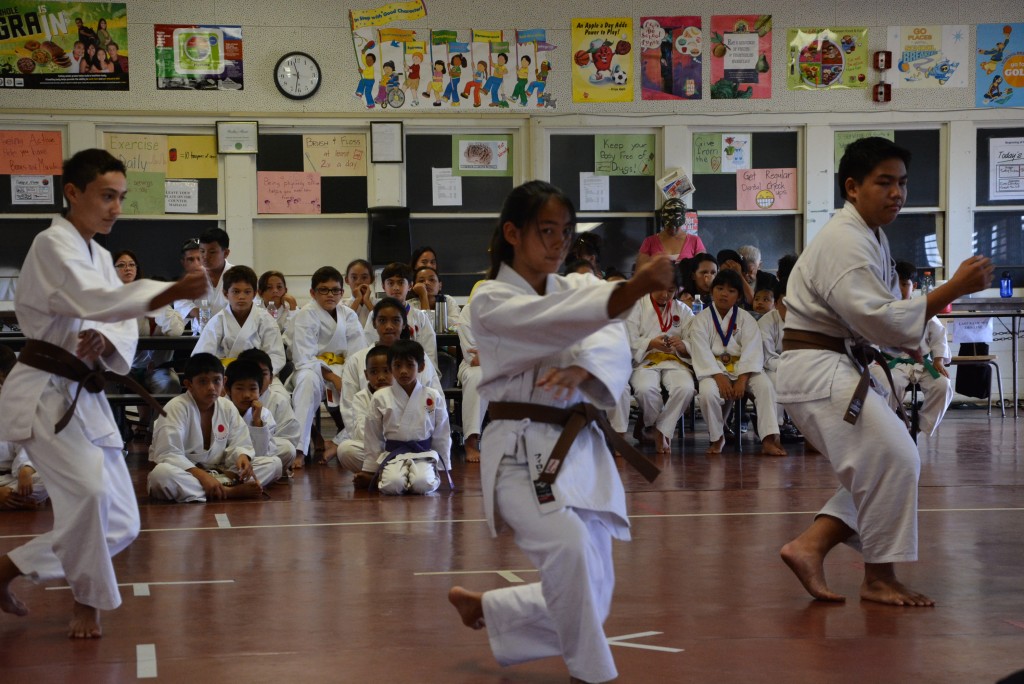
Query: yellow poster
[
  {"x": 334, "y": 154},
  {"x": 602, "y": 60},
  {"x": 140, "y": 152},
  {"x": 385, "y": 14},
  {"x": 191, "y": 156}
]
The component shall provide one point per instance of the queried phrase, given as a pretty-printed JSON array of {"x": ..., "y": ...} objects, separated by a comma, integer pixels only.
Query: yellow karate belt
[
  {"x": 332, "y": 359},
  {"x": 654, "y": 358},
  {"x": 227, "y": 362},
  {"x": 730, "y": 365}
]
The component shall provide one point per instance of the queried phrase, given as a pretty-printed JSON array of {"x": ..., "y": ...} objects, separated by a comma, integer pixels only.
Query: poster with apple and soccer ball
[
  {"x": 740, "y": 50},
  {"x": 602, "y": 60}
]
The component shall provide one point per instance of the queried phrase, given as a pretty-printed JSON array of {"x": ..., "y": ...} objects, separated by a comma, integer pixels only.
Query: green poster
[
  {"x": 707, "y": 153},
  {"x": 844, "y": 138},
  {"x": 624, "y": 155},
  {"x": 145, "y": 194}
]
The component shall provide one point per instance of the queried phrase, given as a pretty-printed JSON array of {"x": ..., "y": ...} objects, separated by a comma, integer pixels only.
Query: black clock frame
[{"x": 319, "y": 81}]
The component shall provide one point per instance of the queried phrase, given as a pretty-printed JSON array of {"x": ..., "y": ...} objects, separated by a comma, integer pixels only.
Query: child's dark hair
[
  {"x": 575, "y": 264},
  {"x": 7, "y": 359},
  {"x": 392, "y": 303},
  {"x": 200, "y": 363},
  {"x": 862, "y": 156},
  {"x": 388, "y": 63},
  {"x": 218, "y": 235},
  {"x": 786, "y": 264},
  {"x": 905, "y": 270},
  {"x": 728, "y": 278},
  {"x": 586, "y": 245},
  {"x": 396, "y": 269},
  {"x": 766, "y": 286},
  {"x": 324, "y": 274},
  {"x": 687, "y": 269},
  {"x": 239, "y": 274},
  {"x": 527, "y": 58},
  {"x": 241, "y": 370},
  {"x": 521, "y": 208},
  {"x": 440, "y": 63},
  {"x": 259, "y": 356},
  {"x": 420, "y": 251},
  {"x": 84, "y": 167},
  {"x": 129, "y": 253},
  {"x": 406, "y": 350},
  {"x": 264, "y": 281},
  {"x": 359, "y": 262},
  {"x": 378, "y": 350},
  {"x": 416, "y": 273}
]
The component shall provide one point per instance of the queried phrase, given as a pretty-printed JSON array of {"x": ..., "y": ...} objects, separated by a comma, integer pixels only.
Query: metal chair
[{"x": 984, "y": 360}]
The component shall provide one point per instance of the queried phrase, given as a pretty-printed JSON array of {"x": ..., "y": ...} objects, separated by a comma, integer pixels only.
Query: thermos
[{"x": 441, "y": 314}]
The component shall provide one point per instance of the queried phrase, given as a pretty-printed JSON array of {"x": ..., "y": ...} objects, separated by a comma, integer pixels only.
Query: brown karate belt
[
  {"x": 51, "y": 358},
  {"x": 572, "y": 420},
  {"x": 861, "y": 354}
]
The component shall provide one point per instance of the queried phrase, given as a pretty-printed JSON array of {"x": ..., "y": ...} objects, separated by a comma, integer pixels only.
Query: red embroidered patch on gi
[
  {"x": 430, "y": 402},
  {"x": 675, "y": 319},
  {"x": 220, "y": 428}
]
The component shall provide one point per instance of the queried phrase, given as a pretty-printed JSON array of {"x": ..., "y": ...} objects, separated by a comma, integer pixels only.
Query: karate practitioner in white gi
[
  {"x": 546, "y": 343},
  {"x": 844, "y": 287},
  {"x": 69, "y": 295},
  {"x": 276, "y": 399},
  {"x": 351, "y": 449},
  {"x": 657, "y": 330},
  {"x": 242, "y": 384}
]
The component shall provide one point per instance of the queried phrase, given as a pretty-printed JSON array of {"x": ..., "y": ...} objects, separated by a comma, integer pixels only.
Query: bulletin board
[
  {"x": 321, "y": 173},
  {"x": 571, "y": 155},
  {"x": 30, "y": 168},
  {"x": 716, "y": 190},
  {"x": 423, "y": 154},
  {"x": 984, "y": 164},
  {"x": 923, "y": 176}
]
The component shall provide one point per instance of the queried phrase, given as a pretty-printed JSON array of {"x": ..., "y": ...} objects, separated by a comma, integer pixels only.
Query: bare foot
[
  {"x": 85, "y": 622},
  {"x": 300, "y": 461},
  {"x": 470, "y": 606},
  {"x": 9, "y": 603},
  {"x": 883, "y": 587},
  {"x": 330, "y": 451},
  {"x": 809, "y": 567},
  {"x": 716, "y": 446},
  {"x": 473, "y": 449},
  {"x": 770, "y": 446},
  {"x": 662, "y": 444},
  {"x": 246, "y": 490}
]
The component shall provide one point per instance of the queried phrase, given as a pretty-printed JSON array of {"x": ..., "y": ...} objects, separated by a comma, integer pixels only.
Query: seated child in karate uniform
[
  {"x": 764, "y": 301},
  {"x": 275, "y": 300},
  {"x": 350, "y": 450},
  {"x": 240, "y": 325},
  {"x": 657, "y": 329},
  {"x": 397, "y": 278},
  {"x": 201, "y": 448},
  {"x": 20, "y": 484},
  {"x": 406, "y": 435},
  {"x": 359, "y": 278},
  {"x": 931, "y": 375},
  {"x": 324, "y": 335},
  {"x": 728, "y": 359},
  {"x": 244, "y": 381},
  {"x": 275, "y": 397}
]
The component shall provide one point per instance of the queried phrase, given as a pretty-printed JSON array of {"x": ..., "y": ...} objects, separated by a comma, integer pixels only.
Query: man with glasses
[{"x": 191, "y": 262}]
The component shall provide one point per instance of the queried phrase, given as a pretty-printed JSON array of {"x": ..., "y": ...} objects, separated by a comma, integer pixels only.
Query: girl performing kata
[{"x": 545, "y": 347}]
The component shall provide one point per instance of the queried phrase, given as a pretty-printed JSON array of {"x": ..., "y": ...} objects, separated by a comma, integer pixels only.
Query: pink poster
[
  {"x": 740, "y": 49},
  {"x": 765, "y": 189},
  {"x": 671, "y": 50},
  {"x": 287, "y": 192}
]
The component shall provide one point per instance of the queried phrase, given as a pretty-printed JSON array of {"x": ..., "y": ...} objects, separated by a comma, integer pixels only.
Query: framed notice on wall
[
  {"x": 238, "y": 137},
  {"x": 386, "y": 142}
]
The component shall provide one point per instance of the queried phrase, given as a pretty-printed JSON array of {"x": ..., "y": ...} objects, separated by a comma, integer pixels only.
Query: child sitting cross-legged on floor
[
  {"x": 245, "y": 385},
  {"x": 728, "y": 359},
  {"x": 406, "y": 436},
  {"x": 201, "y": 447}
]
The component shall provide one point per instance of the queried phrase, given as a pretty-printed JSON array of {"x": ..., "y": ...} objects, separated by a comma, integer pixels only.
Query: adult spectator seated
[
  {"x": 672, "y": 239},
  {"x": 752, "y": 273}
]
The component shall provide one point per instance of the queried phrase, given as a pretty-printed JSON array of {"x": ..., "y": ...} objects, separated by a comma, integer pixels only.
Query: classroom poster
[
  {"x": 31, "y": 190},
  {"x": 1006, "y": 169},
  {"x": 192, "y": 156},
  {"x": 766, "y": 189},
  {"x": 145, "y": 158},
  {"x": 721, "y": 152},
  {"x": 740, "y": 50},
  {"x": 334, "y": 154},
  {"x": 29, "y": 152},
  {"x": 624, "y": 154},
  {"x": 843, "y": 138},
  {"x": 929, "y": 56},
  {"x": 287, "y": 192},
  {"x": 999, "y": 71},
  {"x": 671, "y": 54},
  {"x": 828, "y": 58},
  {"x": 385, "y": 14},
  {"x": 482, "y": 155},
  {"x": 193, "y": 57},
  {"x": 532, "y": 78},
  {"x": 602, "y": 59},
  {"x": 63, "y": 45},
  {"x": 735, "y": 152}
]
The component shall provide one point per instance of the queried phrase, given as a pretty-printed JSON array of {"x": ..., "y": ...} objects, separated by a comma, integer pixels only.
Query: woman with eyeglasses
[
  {"x": 672, "y": 240},
  {"x": 151, "y": 367}
]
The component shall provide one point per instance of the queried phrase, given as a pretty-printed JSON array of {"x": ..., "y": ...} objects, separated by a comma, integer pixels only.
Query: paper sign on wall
[
  {"x": 1006, "y": 169},
  {"x": 735, "y": 152},
  {"x": 287, "y": 192},
  {"x": 972, "y": 330},
  {"x": 30, "y": 153},
  {"x": 191, "y": 156},
  {"x": 594, "y": 195},
  {"x": 446, "y": 189},
  {"x": 765, "y": 189},
  {"x": 334, "y": 154},
  {"x": 145, "y": 194},
  {"x": 624, "y": 155},
  {"x": 139, "y": 152},
  {"x": 842, "y": 139},
  {"x": 181, "y": 197},
  {"x": 31, "y": 190}
]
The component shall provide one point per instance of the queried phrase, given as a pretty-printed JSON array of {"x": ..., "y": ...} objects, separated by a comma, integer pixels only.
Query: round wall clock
[{"x": 297, "y": 75}]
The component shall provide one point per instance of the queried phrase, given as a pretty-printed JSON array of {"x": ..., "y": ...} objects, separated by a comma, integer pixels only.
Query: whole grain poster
[
  {"x": 741, "y": 51},
  {"x": 602, "y": 59},
  {"x": 828, "y": 58},
  {"x": 671, "y": 54},
  {"x": 198, "y": 57}
]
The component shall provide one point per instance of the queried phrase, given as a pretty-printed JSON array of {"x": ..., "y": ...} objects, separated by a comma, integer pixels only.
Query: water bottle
[
  {"x": 927, "y": 282},
  {"x": 204, "y": 314},
  {"x": 698, "y": 305},
  {"x": 1006, "y": 285},
  {"x": 441, "y": 314},
  {"x": 272, "y": 309}
]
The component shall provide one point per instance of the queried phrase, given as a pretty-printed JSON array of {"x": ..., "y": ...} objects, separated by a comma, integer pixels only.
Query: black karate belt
[
  {"x": 572, "y": 420},
  {"x": 861, "y": 354},
  {"x": 50, "y": 358}
]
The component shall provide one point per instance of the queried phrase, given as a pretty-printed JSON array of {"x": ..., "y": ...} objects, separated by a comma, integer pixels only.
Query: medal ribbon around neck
[
  {"x": 664, "y": 315},
  {"x": 727, "y": 335}
]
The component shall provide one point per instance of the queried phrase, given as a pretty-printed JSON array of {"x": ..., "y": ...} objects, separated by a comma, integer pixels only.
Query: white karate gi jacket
[
  {"x": 519, "y": 335},
  {"x": 226, "y": 339},
  {"x": 12, "y": 458},
  {"x": 644, "y": 326},
  {"x": 706, "y": 348},
  {"x": 393, "y": 414},
  {"x": 422, "y": 325},
  {"x": 771, "y": 336},
  {"x": 279, "y": 402},
  {"x": 315, "y": 332},
  {"x": 178, "y": 436}
]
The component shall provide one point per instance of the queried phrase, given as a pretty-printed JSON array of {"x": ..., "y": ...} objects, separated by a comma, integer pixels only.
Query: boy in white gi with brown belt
[
  {"x": 843, "y": 292},
  {"x": 69, "y": 296}
]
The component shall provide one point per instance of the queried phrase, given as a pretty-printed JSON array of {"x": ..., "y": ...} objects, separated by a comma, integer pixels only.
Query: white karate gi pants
[
  {"x": 780, "y": 413},
  {"x": 170, "y": 483},
  {"x": 95, "y": 515},
  {"x": 473, "y": 405},
  {"x": 408, "y": 475},
  {"x": 938, "y": 392},
  {"x": 877, "y": 463},
  {"x": 350, "y": 455},
  {"x": 564, "y": 613},
  {"x": 307, "y": 394},
  {"x": 38, "y": 494},
  {"x": 618, "y": 415},
  {"x": 663, "y": 415},
  {"x": 760, "y": 387}
]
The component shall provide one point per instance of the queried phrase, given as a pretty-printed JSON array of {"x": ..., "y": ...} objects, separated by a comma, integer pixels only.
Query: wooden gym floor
[{"x": 324, "y": 584}]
